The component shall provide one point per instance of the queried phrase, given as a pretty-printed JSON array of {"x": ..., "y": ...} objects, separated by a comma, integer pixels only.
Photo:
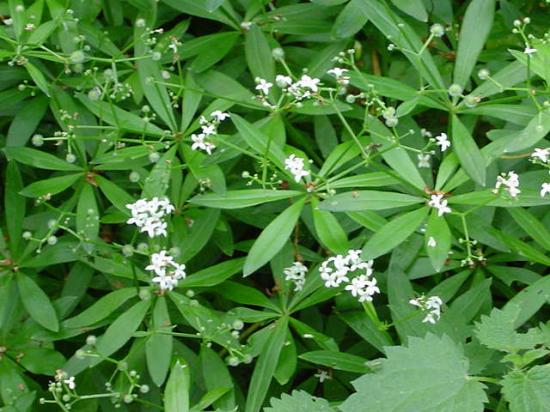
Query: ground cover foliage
[{"x": 246, "y": 205}]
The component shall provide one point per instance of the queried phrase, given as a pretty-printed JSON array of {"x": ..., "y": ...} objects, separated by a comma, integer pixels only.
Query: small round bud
[
  {"x": 247, "y": 358},
  {"x": 278, "y": 53},
  {"x": 350, "y": 98},
  {"x": 246, "y": 174},
  {"x": 128, "y": 398},
  {"x": 26, "y": 235},
  {"x": 70, "y": 158},
  {"x": 52, "y": 223},
  {"x": 154, "y": 157},
  {"x": 52, "y": 240},
  {"x": 175, "y": 251},
  {"x": 77, "y": 57},
  {"x": 455, "y": 90},
  {"x": 37, "y": 140},
  {"x": 122, "y": 366},
  {"x": 127, "y": 250},
  {"x": 80, "y": 354},
  {"x": 91, "y": 340},
  {"x": 483, "y": 74},
  {"x": 144, "y": 388},
  {"x": 238, "y": 324},
  {"x": 437, "y": 30},
  {"x": 526, "y": 20},
  {"x": 145, "y": 294},
  {"x": 190, "y": 293},
  {"x": 134, "y": 177},
  {"x": 42, "y": 401},
  {"x": 471, "y": 101},
  {"x": 232, "y": 361},
  {"x": 94, "y": 94},
  {"x": 140, "y": 23},
  {"x": 66, "y": 398},
  {"x": 142, "y": 247},
  {"x": 517, "y": 23},
  {"x": 156, "y": 56},
  {"x": 392, "y": 122}
]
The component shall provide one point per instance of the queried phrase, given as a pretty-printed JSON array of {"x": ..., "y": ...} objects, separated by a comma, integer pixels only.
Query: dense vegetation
[{"x": 246, "y": 205}]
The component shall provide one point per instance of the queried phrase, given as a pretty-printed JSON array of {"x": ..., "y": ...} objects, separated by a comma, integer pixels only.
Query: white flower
[
  {"x": 425, "y": 133},
  {"x": 430, "y": 306},
  {"x": 529, "y": 50},
  {"x": 310, "y": 83},
  {"x": 166, "y": 270},
  {"x": 541, "y": 154},
  {"x": 510, "y": 181},
  {"x": 340, "y": 75},
  {"x": 423, "y": 160},
  {"x": 200, "y": 142},
  {"x": 246, "y": 25},
  {"x": 219, "y": 115},
  {"x": 432, "y": 242},
  {"x": 443, "y": 141},
  {"x": 322, "y": 376},
  {"x": 148, "y": 215},
  {"x": 209, "y": 129},
  {"x": 283, "y": 81},
  {"x": 363, "y": 287},
  {"x": 263, "y": 85},
  {"x": 70, "y": 382},
  {"x": 296, "y": 274},
  {"x": 544, "y": 189},
  {"x": 440, "y": 204},
  {"x": 296, "y": 167}
]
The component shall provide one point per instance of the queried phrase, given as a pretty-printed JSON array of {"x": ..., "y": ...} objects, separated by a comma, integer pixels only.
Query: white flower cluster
[
  {"x": 297, "y": 275},
  {"x": 541, "y": 155},
  {"x": 334, "y": 271},
  {"x": 437, "y": 201},
  {"x": 296, "y": 167},
  {"x": 510, "y": 181},
  {"x": 423, "y": 160},
  {"x": 148, "y": 215},
  {"x": 166, "y": 270},
  {"x": 303, "y": 88},
  {"x": 430, "y": 306},
  {"x": 209, "y": 128}
]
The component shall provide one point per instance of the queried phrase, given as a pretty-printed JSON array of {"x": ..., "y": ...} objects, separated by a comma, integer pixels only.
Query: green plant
[{"x": 251, "y": 205}]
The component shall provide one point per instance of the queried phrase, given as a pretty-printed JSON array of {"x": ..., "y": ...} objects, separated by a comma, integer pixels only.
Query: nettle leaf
[
  {"x": 298, "y": 401},
  {"x": 429, "y": 375},
  {"x": 528, "y": 391},
  {"x": 497, "y": 331}
]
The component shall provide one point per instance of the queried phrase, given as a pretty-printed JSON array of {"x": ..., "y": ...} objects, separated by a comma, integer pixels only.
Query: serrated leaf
[
  {"x": 528, "y": 391},
  {"x": 429, "y": 375},
  {"x": 298, "y": 401},
  {"x": 497, "y": 331}
]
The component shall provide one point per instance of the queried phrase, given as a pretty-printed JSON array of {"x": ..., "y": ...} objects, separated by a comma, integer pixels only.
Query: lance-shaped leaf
[
  {"x": 468, "y": 153},
  {"x": 273, "y": 238},
  {"x": 360, "y": 200},
  {"x": 238, "y": 199},
  {"x": 37, "y": 303},
  {"x": 176, "y": 396}
]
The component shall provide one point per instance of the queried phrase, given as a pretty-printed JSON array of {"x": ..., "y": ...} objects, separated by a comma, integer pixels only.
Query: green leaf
[
  {"x": 14, "y": 204},
  {"x": 372, "y": 179},
  {"x": 176, "y": 395},
  {"x": 265, "y": 367},
  {"x": 37, "y": 303},
  {"x": 122, "y": 329},
  {"x": 534, "y": 132},
  {"x": 438, "y": 230},
  {"x": 213, "y": 275},
  {"x": 430, "y": 374},
  {"x": 413, "y": 8},
  {"x": 218, "y": 377},
  {"x": 38, "y": 78},
  {"x": 528, "y": 391},
  {"x": 256, "y": 139},
  {"x": 351, "y": 19},
  {"x": 329, "y": 230},
  {"x": 475, "y": 29},
  {"x": 258, "y": 54},
  {"x": 156, "y": 184},
  {"x": 158, "y": 347},
  {"x": 394, "y": 233},
  {"x": 238, "y": 199},
  {"x": 52, "y": 186},
  {"x": 191, "y": 101},
  {"x": 298, "y": 401},
  {"x": 497, "y": 331},
  {"x": 26, "y": 121},
  {"x": 524, "y": 249},
  {"x": 100, "y": 309},
  {"x": 120, "y": 118},
  {"x": 39, "y": 159},
  {"x": 272, "y": 238},
  {"x": 87, "y": 218},
  {"x": 337, "y": 360},
  {"x": 117, "y": 196},
  {"x": 531, "y": 225},
  {"x": 468, "y": 153},
  {"x": 199, "y": 234},
  {"x": 360, "y": 200}
]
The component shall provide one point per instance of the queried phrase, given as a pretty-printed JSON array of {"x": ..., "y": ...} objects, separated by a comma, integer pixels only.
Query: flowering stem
[{"x": 350, "y": 131}]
